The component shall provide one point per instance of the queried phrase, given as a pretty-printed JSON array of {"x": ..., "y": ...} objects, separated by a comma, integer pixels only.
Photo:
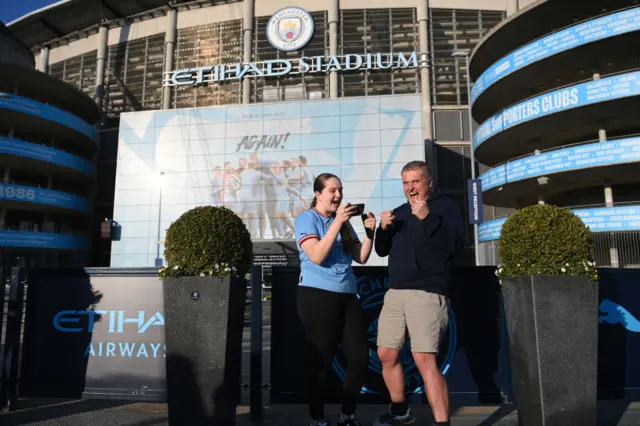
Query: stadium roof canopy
[{"x": 67, "y": 20}]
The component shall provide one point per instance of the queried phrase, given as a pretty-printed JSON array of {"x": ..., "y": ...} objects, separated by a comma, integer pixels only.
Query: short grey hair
[{"x": 417, "y": 165}]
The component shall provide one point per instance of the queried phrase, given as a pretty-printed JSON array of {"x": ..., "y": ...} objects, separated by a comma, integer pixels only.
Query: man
[{"x": 421, "y": 238}]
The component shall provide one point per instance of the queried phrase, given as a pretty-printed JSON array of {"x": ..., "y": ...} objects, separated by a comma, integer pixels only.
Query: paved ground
[{"x": 98, "y": 413}]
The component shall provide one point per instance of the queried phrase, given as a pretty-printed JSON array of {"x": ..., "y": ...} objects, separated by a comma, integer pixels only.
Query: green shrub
[
  {"x": 545, "y": 240},
  {"x": 207, "y": 241}
]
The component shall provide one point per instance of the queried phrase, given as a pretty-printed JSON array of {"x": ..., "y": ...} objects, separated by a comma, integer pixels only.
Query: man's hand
[
  {"x": 420, "y": 209},
  {"x": 386, "y": 219}
]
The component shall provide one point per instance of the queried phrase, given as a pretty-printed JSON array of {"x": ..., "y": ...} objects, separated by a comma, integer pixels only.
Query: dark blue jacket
[{"x": 421, "y": 252}]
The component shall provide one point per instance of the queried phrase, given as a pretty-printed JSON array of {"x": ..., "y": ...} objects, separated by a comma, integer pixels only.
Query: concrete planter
[
  {"x": 552, "y": 324},
  {"x": 203, "y": 330}
]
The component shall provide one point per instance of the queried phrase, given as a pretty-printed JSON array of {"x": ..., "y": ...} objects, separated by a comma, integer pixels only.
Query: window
[
  {"x": 211, "y": 44},
  {"x": 79, "y": 71},
  {"x": 133, "y": 75},
  {"x": 364, "y": 31},
  {"x": 452, "y": 30}
]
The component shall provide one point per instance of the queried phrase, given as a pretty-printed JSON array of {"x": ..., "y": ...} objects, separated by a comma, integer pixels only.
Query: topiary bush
[
  {"x": 207, "y": 241},
  {"x": 545, "y": 240}
]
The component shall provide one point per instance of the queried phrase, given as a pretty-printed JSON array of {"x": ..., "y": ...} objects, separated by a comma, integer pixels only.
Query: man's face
[{"x": 416, "y": 185}]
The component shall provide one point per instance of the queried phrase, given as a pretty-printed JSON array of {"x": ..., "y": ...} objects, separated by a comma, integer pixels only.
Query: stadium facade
[
  {"x": 48, "y": 144},
  {"x": 241, "y": 103},
  {"x": 556, "y": 91}
]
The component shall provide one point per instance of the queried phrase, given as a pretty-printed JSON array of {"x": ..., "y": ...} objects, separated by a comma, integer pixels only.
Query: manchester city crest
[{"x": 290, "y": 29}]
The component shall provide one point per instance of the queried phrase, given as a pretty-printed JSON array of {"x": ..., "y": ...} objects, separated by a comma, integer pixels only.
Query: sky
[{"x": 13, "y": 9}]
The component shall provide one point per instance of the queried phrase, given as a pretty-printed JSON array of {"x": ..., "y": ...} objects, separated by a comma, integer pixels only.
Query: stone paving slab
[{"x": 112, "y": 413}]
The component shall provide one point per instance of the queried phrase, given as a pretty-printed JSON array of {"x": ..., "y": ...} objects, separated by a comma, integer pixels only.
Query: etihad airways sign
[{"x": 303, "y": 65}]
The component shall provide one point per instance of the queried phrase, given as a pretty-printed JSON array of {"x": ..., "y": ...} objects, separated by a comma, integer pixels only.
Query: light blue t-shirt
[{"x": 335, "y": 273}]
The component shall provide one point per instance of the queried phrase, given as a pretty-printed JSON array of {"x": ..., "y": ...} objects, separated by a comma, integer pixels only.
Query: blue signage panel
[
  {"x": 579, "y": 157},
  {"x": 602, "y": 219},
  {"x": 587, "y": 32},
  {"x": 43, "y": 240},
  {"x": 47, "y": 112},
  {"x": 606, "y": 89},
  {"x": 48, "y": 197},
  {"x": 474, "y": 197},
  {"x": 20, "y": 148}
]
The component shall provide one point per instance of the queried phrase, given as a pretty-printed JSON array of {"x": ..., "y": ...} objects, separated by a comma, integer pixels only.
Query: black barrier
[
  {"x": 473, "y": 359},
  {"x": 11, "y": 356},
  {"x": 94, "y": 333},
  {"x": 255, "y": 381},
  {"x": 100, "y": 333},
  {"x": 619, "y": 334}
]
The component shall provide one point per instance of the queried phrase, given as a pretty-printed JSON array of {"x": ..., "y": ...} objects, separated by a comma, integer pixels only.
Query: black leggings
[{"x": 331, "y": 318}]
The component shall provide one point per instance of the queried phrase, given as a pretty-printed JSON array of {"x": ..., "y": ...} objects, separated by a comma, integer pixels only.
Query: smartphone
[{"x": 359, "y": 209}]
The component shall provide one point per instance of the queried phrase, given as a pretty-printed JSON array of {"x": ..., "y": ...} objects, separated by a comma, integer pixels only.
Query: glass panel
[
  {"x": 452, "y": 30},
  {"x": 212, "y": 44}
]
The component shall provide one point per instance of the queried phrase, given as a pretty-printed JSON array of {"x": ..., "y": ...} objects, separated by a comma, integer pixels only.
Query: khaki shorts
[{"x": 424, "y": 314}]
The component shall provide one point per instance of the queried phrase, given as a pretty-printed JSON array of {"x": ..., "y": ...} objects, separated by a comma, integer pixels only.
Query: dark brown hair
[{"x": 346, "y": 231}]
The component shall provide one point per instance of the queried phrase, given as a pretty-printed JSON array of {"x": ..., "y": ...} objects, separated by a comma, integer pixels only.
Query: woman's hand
[{"x": 345, "y": 212}]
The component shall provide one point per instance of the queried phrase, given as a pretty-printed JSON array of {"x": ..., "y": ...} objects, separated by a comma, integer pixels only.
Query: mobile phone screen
[{"x": 360, "y": 209}]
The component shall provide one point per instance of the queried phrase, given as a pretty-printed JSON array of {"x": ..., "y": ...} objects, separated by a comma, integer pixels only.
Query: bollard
[
  {"x": 255, "y": 380},
  {"x": 11, "y": 361}
]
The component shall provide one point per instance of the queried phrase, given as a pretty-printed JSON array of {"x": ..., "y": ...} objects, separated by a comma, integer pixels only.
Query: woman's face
[{"x": 330, "y": 197}]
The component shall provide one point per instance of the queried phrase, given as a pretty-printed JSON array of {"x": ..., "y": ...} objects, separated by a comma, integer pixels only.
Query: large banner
[
  {"x": 260, "y": 161},
  {"x": 563, "y": 160},
  {"x": 567, "y": 39},
  {"x": 603, "y": 219},
  {"x": 606, "y": 89}
]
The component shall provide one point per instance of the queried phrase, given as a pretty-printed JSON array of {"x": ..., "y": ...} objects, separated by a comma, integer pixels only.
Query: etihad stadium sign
[
  {"x": 290, "y": 29},
  {"x": 302, "y": 65}
]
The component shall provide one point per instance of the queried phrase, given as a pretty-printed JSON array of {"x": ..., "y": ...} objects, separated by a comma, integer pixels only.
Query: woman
[{"x": 327, "y": 302}]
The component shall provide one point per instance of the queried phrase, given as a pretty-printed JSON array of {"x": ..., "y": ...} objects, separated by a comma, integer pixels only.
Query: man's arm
[{"x": 447, "y": 230}]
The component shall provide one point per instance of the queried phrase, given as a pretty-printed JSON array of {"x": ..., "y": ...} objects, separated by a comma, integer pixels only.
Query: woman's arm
[
  {"x": 317, "y": 249},
  {"x": 362, "y": 250}
]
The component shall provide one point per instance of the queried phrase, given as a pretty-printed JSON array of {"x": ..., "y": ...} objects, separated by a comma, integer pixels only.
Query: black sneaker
[
  {"x": 351, "y": 421},
  {"x": 323, "y": 422},
  {"x": 388, "y": 419}
]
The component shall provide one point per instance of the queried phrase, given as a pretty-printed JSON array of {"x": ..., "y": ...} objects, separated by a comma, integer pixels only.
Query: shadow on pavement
[
  {"x": 502, "y": 412},
  {"x": 27, "y": 414},
  {"x": 611, "y": 412}
]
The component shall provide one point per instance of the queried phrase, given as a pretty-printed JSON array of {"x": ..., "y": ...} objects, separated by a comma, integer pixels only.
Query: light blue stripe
[
  {"x": 47, "y": 112},
  {"x": 602, "y": 219},
  {"x": 28, "y": 194},
  {"x": 44, "y": 153},
  {"x": 563, "y": 160},
  {"x": 606, "y": 89},
  {"x": 570, "y": 38},
  {"x": 43, "y": 240}
]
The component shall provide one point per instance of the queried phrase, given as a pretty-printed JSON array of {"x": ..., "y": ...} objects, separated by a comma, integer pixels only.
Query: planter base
[
  {"x": 204, "y": 318},
  {"x": 552, "y": 324}
]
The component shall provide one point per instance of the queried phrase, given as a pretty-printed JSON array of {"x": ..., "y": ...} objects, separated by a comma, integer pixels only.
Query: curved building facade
[
  {"x": 48, "y": 143},
  {"x": 191, "y": 92},
  {"x": 555, "y": 100}
]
